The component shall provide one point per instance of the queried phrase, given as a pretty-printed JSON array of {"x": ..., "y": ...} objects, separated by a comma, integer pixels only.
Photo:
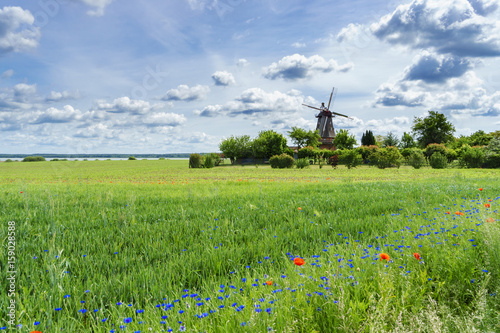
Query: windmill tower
[{"x": 325, "y": 123}]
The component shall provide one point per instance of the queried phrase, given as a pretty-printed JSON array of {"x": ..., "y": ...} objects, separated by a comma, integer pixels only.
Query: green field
[{"x": 152, "y": 246}]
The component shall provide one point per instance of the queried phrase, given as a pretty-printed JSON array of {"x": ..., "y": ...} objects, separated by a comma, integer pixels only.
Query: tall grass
[{"x": 153, "y": 244}]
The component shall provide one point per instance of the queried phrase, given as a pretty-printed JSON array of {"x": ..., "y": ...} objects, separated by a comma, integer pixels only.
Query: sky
[{"x": 179, "y": 76}]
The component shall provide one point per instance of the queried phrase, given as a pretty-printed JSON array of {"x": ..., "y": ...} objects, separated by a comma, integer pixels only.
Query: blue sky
[{"x": 109, "y": 76}]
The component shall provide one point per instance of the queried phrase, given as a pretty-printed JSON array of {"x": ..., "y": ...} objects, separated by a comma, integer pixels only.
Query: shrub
[
  {"x": 334, "y": 160},
  {"x": 438, "y": 161},
  {"x": 472, "y": 157},
  {"x": 416, "y": 159},
  {"x": 435, "y": 147},
  {"x": 215, "y": 157},
  {"x": 302, "y": 163},
  {"x": 306, "y": 152},
  {"x": 350, "y": 158},
  {"x": 492, "y": 161},
  {"x": 367, "y": 151},
  {"x": 132, "y": 158},
  {"x": 281, "y": 161},
  {"x": 33, "y": 159},
  {"x": 9, "y": 160},
  {"x": 195, "y": 161},
  {"x": 386, "y": 157},
  {"x": 208, "y": 161},
  {"x": 289, "y": 151},
  {"x": 161, "y": 159}
]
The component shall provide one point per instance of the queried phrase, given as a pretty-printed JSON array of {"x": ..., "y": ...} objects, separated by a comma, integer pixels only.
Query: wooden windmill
[{"x": 325, "y": 123}]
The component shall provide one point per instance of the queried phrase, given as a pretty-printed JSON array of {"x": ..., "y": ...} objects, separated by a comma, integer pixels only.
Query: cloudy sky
[{"x": 155, "y": 76}]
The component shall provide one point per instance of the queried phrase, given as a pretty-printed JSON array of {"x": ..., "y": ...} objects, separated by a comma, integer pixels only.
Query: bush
[
  {"x": 416, "y": 159},
  {"x": 33, "y": 159},
  {"x": 350, "y": 158},
  {"x": 9, "y": 160},
  {"x": 367, "y": 151},
  {"x": 306, "y": 152},
  {"x": 195, "y": 161},
  {"x": 215, "y": 157},
  {"x": 386, "y": 157},
  {"x": 435, "y": 147},
  {"x": 302, "y": 163},
  {"x": 289, "y": 151},
  {"x": 208, "y": 161},
  {"x": 492, "y": 161},
  {"x": 132, "y": 158},
  {"x": 472, "y": 157},
  {"x": 438, "y": 161},
  {"x": 281, "y": 161},
  {"x": 334, "y": 160}
]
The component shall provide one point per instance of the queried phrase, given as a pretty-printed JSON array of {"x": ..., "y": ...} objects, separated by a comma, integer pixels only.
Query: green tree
[
  {"x": 432, "y": 129},
  {"x": 480, "y": 138},
  {"x": 406, "y": 141},
  {"x": 303, "y": 138},
  {"x": 391, "y": 140},
  {"x": 236, "y": 147},
  {"x": 368, "y": 139},
  {"x": 343, "y": 140},
  {"x": 268, "y": 143}
]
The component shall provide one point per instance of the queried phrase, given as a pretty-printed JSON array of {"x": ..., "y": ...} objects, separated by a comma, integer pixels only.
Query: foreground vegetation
[{"x": 111, "y": 246}]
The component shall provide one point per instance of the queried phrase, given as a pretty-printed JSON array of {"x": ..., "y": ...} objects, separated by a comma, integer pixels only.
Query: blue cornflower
[{"x": 127, "y": 320}]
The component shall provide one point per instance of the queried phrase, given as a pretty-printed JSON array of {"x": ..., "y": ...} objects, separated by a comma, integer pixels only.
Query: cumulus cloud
[
  {"x": 164, "y": 119},
  {"x": 23, "y": 92},
  {"x": 223, "y": 78},
  {"x": 7, "y": 74},
  {"x": 298, "y": 66},
  {"x": 257, "y": 102},
  {"x": 95, "y": 131},
  {"x": 56, "y": 96},
  {"x": 432, "y": 68},
  {"x": 17, "y": 33},
  {"x": 447, "y": 26},
  {"x": 127, "y": 105},
  {"x": 242, "y": 62},
  {"x": 52, "y": 115},
  {"x": 186, "y": 93}
]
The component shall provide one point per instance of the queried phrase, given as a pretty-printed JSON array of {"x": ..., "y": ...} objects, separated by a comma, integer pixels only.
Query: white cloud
[
  {"x": 7, "y": 74},
  {"x": 23, "y": 92},
  {"x": 17, "y": 33},
  {"x": 223, "y": 78},
  {"x": 164, "y": 119},
  {"x": 99, "y": 6},
  {"x": 186, "y": 93},
  {"x": 52, "y": 115},
  {"x": 298, "y": 66},
  {"x": 127, "y": 105},
  {"x": 56, "y": 96},
  {"x": 446, "y": 26},
  {"x": 299, "y": 45},
  {"x": 95, "y": 131},
  {"x": 242, "y": 62}
]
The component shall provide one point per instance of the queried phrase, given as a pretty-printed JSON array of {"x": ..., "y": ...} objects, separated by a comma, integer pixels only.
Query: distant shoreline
[{"x": 88, "y": 156}]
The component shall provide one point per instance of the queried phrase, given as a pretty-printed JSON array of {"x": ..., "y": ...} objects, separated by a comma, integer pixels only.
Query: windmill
[{"x": 325, "y": 123}]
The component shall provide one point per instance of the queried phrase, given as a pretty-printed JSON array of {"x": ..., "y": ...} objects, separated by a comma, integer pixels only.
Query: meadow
[{"x": 153, "y": 246}]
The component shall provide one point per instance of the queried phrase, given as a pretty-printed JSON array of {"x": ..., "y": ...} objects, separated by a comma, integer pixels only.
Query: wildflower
[
  {"x": 299, "y": 261},
  {"x": 384, "y": 256},
  {"x": 127, "y": 320},
  {"x": 417, "y": 256},
  {"x": 480, "y": 189},
  {"x": 487, "y": 205},
  {"x": 269, "y": 283},
  {"x": 298, "y": 208},
  {"x": 491, "y": 220}
]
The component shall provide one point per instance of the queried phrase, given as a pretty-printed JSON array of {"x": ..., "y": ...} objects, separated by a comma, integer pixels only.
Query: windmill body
[{"x": 325, "y": 123}]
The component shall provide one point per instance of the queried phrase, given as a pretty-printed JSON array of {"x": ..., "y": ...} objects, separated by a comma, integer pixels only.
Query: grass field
[{"x": 152, "y": 246}]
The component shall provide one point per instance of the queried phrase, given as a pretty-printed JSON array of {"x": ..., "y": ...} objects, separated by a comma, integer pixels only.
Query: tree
[
  {"x": 268, "y": 143},
  {"x": 432, "y": 129},
  {"x": 303, "y": 138},
  {"x": 343, "y": 140},
  {"x": 236, "y": 147},
  {"x": 368, "y": 139},
  {"x": 480, "y": 138},
  {"x": 391, "y": 140},
  {"x": 407, "y": 141}
]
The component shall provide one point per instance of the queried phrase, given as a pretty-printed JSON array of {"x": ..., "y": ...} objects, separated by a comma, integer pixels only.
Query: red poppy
[
  {"x": 384, "y": 256},
  {"x": 300, "y": 208},
  {"x": 35, "y": 332},
  {"x": 417, "y": 256},
  {"x": 269, "y": 283},
  {"x": 447, "y": 212},
  {"x": 490, "y": 219},
  {"x": 21, "y": 191},
  {"x": 299, "y": 261},
  {"x": 487, "y": 205},
  {"x": 480, "y": 189}
]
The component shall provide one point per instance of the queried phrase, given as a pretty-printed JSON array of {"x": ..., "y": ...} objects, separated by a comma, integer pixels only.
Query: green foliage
[
  {"x": 307, "y": 152},
  {"x": 281, "y": 161},
  {"x": 434, "y": 128},
  {"x": 386, "y": 157},
  {"x": 236, "y": 147},
  {"x": 8, "y": 160},
  {"x": 435, "y": 147},
  {"x": 302, "y": 163},
  {"x": 216, "y": 158},
  {"x": 350, "y": 158},
  {"x": 343, "y": 140},
  {"x": 391, "y": 140},
  {"x": 334, "y": 160},
  {"x": 416, "y": 158},
  {"x": 438, "y": 161},
  {"x": 195, "y": 161},
  {"x": 208, "y": 161},
  {"x": 367, "y": 139},
  {"x": 268, "y": 143},
  {"x": 407, "y": 141},
  {"x": 132, "y": 158},
  {"x": 303, "y": 138},
  {"x": 472, "y": 157},
  {"x": 33, "y": 159},
  {"x": 493, "y": 153},
  {"x": 367, "y": 151}
]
